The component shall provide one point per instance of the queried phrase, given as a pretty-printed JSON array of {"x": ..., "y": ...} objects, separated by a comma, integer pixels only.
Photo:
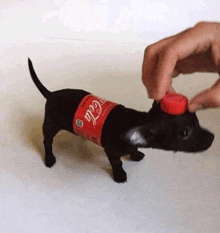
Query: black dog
[{"x": 124, "y": 129}]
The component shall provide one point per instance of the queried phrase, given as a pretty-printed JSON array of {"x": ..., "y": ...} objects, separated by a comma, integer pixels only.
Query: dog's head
[{"x": 167, "y": 132}]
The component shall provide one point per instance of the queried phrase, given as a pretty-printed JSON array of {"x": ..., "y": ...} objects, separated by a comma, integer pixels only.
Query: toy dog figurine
[{"x": 122, "y": 131}]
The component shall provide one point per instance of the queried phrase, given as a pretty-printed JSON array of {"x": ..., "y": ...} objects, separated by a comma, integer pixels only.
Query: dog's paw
[
  {"x": 120, "y": 177},
  {"x": 50, "y": 161},
  {"x": 137, "y": 156}
]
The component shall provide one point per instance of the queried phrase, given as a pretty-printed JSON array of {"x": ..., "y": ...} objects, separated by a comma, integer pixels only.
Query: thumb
[{"x": 209, "y": 98}]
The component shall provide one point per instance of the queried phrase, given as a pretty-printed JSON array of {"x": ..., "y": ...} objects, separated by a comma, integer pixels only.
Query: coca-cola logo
[{"x": 94, "y": 111}]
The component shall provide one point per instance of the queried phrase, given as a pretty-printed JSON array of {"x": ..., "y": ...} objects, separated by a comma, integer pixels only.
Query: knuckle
[
  {"x": 149, "y": 51},
  {"x": 208, "y": 28},
  {"x": 168, "y": 52},
  {"x": 205, "y": 26},
  {"x": 201, "y": 24}
]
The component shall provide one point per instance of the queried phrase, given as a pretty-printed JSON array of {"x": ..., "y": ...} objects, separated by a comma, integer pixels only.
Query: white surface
[
  {"x": 165, "y": 192},
  {"x": 124, "y": 20}
]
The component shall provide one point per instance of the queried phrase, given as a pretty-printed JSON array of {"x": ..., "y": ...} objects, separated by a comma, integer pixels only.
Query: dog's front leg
[
  {"x": 114, "y": 157},
  {"x": 134, "y": 153},
  {"x": 137, "y": 155}
]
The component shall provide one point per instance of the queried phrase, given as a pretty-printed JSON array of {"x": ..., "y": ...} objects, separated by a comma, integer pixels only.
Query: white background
[
  {"x": 125, "y": 20},
  {"x": 97, "y": 45}
]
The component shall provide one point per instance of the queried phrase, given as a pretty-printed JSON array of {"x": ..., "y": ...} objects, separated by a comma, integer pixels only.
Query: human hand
[
  {"x": 209, "y": 98},
  {"x": 194, "y": 50}
]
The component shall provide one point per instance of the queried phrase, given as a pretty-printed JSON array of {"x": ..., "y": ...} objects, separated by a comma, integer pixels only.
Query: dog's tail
[{"x": 37, "y": 82}]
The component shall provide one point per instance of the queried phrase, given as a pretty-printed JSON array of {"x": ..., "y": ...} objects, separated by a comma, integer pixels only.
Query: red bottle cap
[{"x": 174, "y": 104}]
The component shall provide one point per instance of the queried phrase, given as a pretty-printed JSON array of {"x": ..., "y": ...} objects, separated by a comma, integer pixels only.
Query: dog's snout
[
  {"x": 211, "y": 137},
  {"x": 206, "y": 139}
]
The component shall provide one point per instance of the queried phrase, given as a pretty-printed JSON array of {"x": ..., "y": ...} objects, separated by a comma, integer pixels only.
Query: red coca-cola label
[{"x": 90, "y": 117}]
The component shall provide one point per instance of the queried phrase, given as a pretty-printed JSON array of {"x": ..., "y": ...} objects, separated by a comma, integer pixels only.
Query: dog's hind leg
[{"x": 49, "y": 131}]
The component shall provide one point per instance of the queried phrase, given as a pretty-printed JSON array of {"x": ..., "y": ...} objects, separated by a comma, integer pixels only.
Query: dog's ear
[
  {"x": 139, "y": 136},
  {"x": 155, "y": 109},
  {"x": 155, "y": 104}
]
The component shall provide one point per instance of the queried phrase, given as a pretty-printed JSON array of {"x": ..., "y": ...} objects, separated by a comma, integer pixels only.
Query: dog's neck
[{"x": 132, "y": 122}]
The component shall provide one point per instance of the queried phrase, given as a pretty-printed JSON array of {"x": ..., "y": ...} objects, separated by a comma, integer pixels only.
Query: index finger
[
  {"x": 163, "y": 75},
  {"x": 150, "y": 64}
]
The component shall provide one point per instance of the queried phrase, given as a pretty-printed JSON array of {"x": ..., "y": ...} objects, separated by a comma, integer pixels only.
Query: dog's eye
[{"x": 184, "y": 133}]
